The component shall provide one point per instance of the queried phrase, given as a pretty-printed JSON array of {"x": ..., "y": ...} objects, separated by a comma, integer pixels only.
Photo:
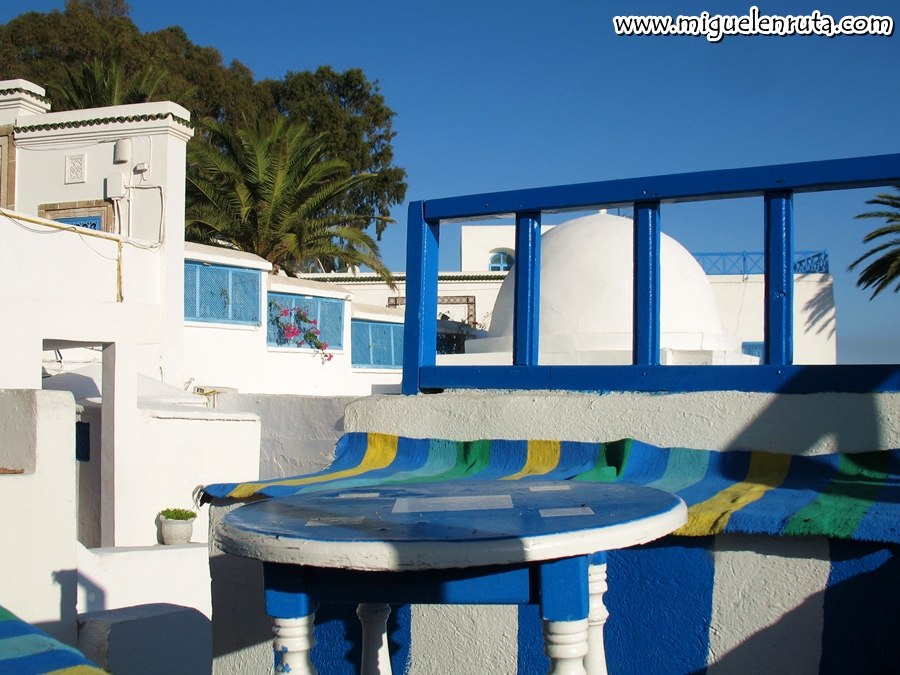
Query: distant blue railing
[
  {"x": 745, "y": 263},
  {"x": 776, "y": 184}
]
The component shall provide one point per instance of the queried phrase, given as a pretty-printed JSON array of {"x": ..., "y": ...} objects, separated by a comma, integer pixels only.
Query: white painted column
[
  {"x": 118, "y": 438},
  {"x": 566, "y": 643},
  {"x": 293, "y": 640},
  {"x": 595, "y": 661},
  {"x": 376, "y": 659}
]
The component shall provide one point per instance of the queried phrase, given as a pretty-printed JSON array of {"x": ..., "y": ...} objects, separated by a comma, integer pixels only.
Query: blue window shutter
[
  {"x": 221, "y": 294},
  {"x": 376, "y": 344},
  {"x": 328, "y": 313}
]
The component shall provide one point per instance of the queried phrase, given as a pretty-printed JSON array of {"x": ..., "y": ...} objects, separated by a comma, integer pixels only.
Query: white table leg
[
  {"x": 376, "y": 659},
  {"x": 293, "y": 640},
  {"x": 595, "y": 661},
  {"x": 566, "y": 643}
]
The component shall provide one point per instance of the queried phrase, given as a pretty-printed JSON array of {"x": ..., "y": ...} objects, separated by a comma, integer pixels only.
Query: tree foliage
[
  {"x": 92, "y": 48},
  {"x": 97, "y": 85},
  {"x": 351, "y": 111},
  {"x": 270, "y": 189},
  {"x": 884, "y": 270}
]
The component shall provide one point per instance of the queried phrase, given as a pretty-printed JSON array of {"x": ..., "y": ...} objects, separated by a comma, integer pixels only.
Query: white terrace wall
[
  {"x": 37, "y": 499},
  {"x": 763, "y": 586},
  {"x": 740, "y": 302}
]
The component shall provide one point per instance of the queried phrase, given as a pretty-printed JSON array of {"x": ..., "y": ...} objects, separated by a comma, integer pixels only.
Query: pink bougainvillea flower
[
  {"x": 285, "y": 312},
  {"x": 330, "y": 356}
]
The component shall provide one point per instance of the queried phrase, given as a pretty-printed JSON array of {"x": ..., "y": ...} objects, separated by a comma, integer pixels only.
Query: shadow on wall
[
  {"x": 860, "y": 630},
  {"x": 845, "y": 422},
  {"x": 820, "y": 311},
  {"x": 95, "y": 596}
]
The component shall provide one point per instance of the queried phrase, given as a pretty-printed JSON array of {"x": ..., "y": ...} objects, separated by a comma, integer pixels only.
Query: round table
[{"x": 453, "y": 542}]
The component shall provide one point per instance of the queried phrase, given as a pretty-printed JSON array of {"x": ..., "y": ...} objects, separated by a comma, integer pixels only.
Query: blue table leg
[
  {"x": 294, "y": 616},
  {"x": 564, "y": 614}
]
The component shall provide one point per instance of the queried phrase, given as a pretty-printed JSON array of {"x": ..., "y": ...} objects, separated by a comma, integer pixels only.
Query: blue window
[
  {"x": 219, "y": 294},
  {"x": 501, "y": 262},
  {"x": 328, "y": 313},
  {"x": 376, "y": 344},
  {"x": 90, "y": 222},
  {"x": 753, "y": 349}
]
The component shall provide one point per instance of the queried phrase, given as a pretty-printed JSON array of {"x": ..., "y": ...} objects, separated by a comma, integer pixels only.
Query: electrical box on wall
[
  {"x": 122, "y": 151},
  {"x": 115, "y": 186}
]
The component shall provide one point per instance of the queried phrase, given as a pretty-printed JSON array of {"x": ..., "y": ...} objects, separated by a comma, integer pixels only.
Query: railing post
[
  {"x": 420, "y": 329},
  {"x": 779, "y": 286},
  {"x": 645, "y": 336},
  {"x": 526, "y": 310}
]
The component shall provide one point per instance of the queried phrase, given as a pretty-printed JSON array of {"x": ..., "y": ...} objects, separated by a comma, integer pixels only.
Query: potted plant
[{"x": 176, "y": 525}]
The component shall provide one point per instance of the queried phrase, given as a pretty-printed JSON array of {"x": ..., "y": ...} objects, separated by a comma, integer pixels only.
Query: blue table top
[{"x": 449, "y": 524}]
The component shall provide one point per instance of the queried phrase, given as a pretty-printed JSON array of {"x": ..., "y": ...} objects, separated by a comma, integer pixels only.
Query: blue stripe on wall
[
  {"x": 531, "y": 659},
  {"x": 338, "y": 635},
  {"x": 660, "y": 606},
  {"x": 862, "y": 610}
]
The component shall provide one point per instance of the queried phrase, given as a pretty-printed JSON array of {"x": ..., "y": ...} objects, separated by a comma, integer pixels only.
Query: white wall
[
  {"x": 478, "y": 242},
  {"x": 177, "y": 451},
  {"x": 741, "y": 302},
  {"x": 38, "y": 559},
  {"x": 715, "y": 420},
  {"x": 108, "y": 577}
]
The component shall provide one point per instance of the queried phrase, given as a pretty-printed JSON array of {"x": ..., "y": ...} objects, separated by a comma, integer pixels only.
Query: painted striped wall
[{"x": 723, "y": 605}]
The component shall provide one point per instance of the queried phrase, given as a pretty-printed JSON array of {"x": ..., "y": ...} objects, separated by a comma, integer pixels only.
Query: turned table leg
[
  {"x": 566, "y": 643},
  {"x": 595, "y": 661},
  {"x": 376, "y": 659},
  {"x": 293, "y": 614},
  {"x": 293, "y": 640}
]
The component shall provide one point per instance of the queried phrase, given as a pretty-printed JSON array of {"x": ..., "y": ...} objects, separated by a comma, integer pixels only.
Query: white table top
[{"x": 449, "y": 524}]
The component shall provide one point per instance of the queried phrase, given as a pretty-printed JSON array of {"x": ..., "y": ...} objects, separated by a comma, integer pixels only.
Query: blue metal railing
[
  {"x": 776, "y": 184},
  {"x": 746, "y": 263}
]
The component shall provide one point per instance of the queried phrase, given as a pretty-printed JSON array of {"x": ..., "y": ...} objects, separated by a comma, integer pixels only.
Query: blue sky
[{"x": 497, "y": 95}]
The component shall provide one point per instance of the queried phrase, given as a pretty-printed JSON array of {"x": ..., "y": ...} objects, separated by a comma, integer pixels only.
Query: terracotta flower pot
[{"x": 176, "y": 531}]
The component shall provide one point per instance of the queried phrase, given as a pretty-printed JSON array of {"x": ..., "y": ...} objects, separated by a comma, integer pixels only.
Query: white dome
[{"x": 586, "y": 290}]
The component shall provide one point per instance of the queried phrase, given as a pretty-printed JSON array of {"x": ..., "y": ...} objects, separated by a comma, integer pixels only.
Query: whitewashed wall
[{"x": 38, "y": 559}]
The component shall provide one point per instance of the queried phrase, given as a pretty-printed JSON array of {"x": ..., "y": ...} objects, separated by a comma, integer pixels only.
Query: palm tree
[
  {"x": 885, "y": 269},
  {"x": 270, "y": 190},
  {"x": 96, "y": 85}
]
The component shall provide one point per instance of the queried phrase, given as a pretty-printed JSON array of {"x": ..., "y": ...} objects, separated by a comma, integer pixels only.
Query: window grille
[
  {"x": 501, "y": 262},
  {"x": 220, "y": 294},
  {"x": 327, "y": 312},
  {"x": 376, "y": 344},
  {"x": 90, "y": 222}
]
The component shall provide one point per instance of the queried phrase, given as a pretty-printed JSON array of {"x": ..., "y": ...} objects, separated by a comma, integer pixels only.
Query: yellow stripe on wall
[
  {"x": 766, "y": 471},
  {"x": 381, "y": 450},
  {"x": 543, "y": 457}
]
